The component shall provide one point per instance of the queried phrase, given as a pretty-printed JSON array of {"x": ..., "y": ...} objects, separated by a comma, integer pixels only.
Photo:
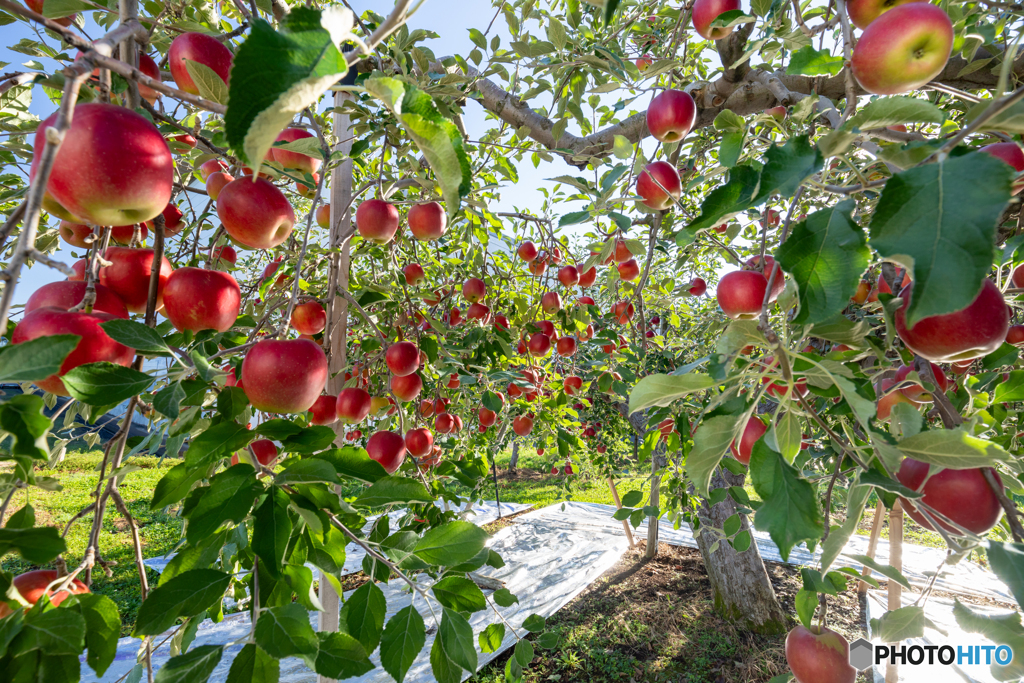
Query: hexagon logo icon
[{"x": 861, "y": 654}]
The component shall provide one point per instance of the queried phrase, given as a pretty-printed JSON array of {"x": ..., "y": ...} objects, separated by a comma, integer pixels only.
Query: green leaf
[
  {"x": 787, "y": 167},
  {"x": 524, "y": 652},
  {"x": 229, "y": 497},
  {"x": 56, "y": 632},
  {"x": 394, "y": 489},
  {"x": 573, "y": 218},
  {"x": 892, "y": 111},
  {"x": 1011, "y": 389},
  {"x": 459, "y": 594},
  {"x": 104, "y": 384},
  {"x": 503, "y": 597},
  {"x": 709, "y": 445},
  {"x": 453, "y": 648},
  {"x": 133, "y": 334},
  {"x": 277, "y": 74},
  {"x": 900, "y": 624},
  {"x": 840, "y": 535},
  {"x": 534, "y": 623},
  {"x": 1010, "y": 120},
  {"x": 363, "y": 613},
  {"x": 790, "y": 512},
  {"x": 38, "y": 545},
  {"x": 175, "y": 485},
  {"x": 1002, "y": 629},
  {"x": 880, "y": 481},
  {"x": 207, "y": 81},
  {"x": 341, "y": 656},
  {"x": 954, "y": 449},
  {"x": 826, "y": 254},
  {"x": 102, "y": 628},
  {"x": 435, "y": 136},
  {"x": 186, "y": 595},
  {"x": 401, "y": 642},
  {"x": 55, "y": 9},
  {"x": 451, "y": 543},
  {"x": 883, "y": 569},
  {"x": 284, "y": 631},
  {"x": 36, "y": 359},
  {"x": 253, "y": 665},
  {"x": 168, "y": 400},
  {"x": 806, "y": 602},
  {"x": 609, "y": 10},
  {"x": 661, "y": 390},
  {"x": 23, "y": 417},
  {"x": 940, "y": 219},
  {"x": 632, "y": 499},
  {"x": 789, "y": 435},
  {"x": 231, "y": 401},
  {"x": 491, "y": 637},
  {"x": 735, "y": 196},
  {"x": 731, "y": 148},
  {"x": 1007, "y": 560},
  {"x": 195, "y": 666},
  {"x": 271, "y": 531},
  {"x": 216, "y": 442},
  {"x": 810, "y": 62},
  {"x": 307, "y": 471}
]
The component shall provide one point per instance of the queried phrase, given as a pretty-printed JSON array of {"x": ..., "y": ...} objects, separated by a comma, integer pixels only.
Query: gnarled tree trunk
[{"x": 743, "y": 593}]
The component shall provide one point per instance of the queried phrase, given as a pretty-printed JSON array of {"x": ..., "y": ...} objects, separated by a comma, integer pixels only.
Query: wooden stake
[
  {"x": 876, "y": 531},
  {"x": 618, "y": 506},
  {"x": 896, "y": 562},
  {"x": 337, "y": 319}
]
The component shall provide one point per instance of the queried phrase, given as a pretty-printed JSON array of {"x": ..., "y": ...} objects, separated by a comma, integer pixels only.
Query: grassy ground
[{"x": 159, "y": 530}]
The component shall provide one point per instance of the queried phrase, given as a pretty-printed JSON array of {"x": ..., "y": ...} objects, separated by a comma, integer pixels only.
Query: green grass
[{"x": 159, "y": 530}]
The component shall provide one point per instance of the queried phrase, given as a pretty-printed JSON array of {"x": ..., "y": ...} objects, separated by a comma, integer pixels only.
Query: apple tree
[{"x": 782, "y": 243}]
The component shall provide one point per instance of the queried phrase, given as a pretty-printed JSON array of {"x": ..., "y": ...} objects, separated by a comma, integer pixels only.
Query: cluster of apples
[
  {"x": 378, "y": 221},
  {"x": 670, "y": 117},
  {"x": 741, "y": 293}
]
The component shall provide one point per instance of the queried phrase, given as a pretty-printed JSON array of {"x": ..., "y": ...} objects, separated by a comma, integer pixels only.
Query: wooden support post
[
  {"x": 876, "y": 531},
  {"x": 337, "y": 317},
  {"x": 896, "y": 562},
  {"x": 618, "y": 506}
]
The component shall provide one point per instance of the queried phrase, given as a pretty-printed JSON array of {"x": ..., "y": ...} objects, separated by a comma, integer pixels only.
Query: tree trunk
[
  {"x": 658, "y": 461},
  {"x": 514, "y": 462},
  {"x": 743, "y": 593}
]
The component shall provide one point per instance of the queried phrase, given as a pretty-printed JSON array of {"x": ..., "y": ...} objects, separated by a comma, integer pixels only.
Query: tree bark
[
  {"x": 658, "y": 461},
  {"x": 514, "y": 462},
  {"x": 743, "y": 593}
]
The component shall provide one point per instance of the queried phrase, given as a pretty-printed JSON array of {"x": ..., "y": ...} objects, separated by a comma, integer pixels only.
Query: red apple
[
  {"x": 964, "y": 496},
  {"x": 539, "y": 344},
  {"x": 377, "y": 220},
  {"x": 403, "y": 358},
  {"x": 642, "y": 63},
  {"x": 585, "y": 301},
  {"x": 184, "y": 139},
  {"x": 32, "y": 585},
  {"x": 216, "y": 183},
  {"x": 323, "y": 215},
  {"x": 201, "y": 48},
  {"x": 309, "y": 318},
  {"x": 444, "y": 423},
  {"x": 659, "y": 185},
  {"x": 324, "y": 410},
  {"x": 527, "y": 251},
  {"x": 66, "y": 294},
  {"x": 419, "y": 442},
  {"x": 630, "y": 270},
  {"x": 408, "y": 387},
  {"x": 487, "y": 417},
  {"x": 352, "y": 405},
  {"x": 1015, "y": 335},
  {"x": 198, "y": 299},
  {"x": 128, "y": 276},
  {"x": 572, "y": 385},
  {"x": 307, "y": 188},
  {"x": 113, "y": 168},
  {"x": 477, "y": 311},
  {"x": 888, "y": 399},
  {"x": 414, "y": 274},
  {"x": 522, "y": 425},
  {"x": 474, "y": 290},
  {"x": 387, "y": 448},
  {"x": 623, "y": 312},
  {"x": 1011, "y": 153},
  {"x": 208, "y": 168},
  {"x": 741, "y": 294},
  {"x": 550, "y": 302},
  {"x": 861, "y": 295},
  {"x": 537, "y": 267},
  {"x": 863, "y": 12},
  {"x": 975, "y": 331},
  {"x": 622, "y": 252},
  {"x": 295, "y": 161},
  {"x": 428, "y": 221},
  {"x": 588, "y": 277},
  {"x": 777, "y": 113},
  {"x": 670, "y": 115},
  {"x": 819, "y": 655},
  {"x": 284, "y": 376},
  {"x": 697, "y": 287},
  {"x": 779, "y": 283},
  {"x": 587, "y": 334},
  {"x": 173, "y": 223},
  {"x": 754, "y": 430},
  {"x": 454, "y": 317},
  {"x": 569, "y": 276},
  {"x": 706, "y": 11},
  {"x": 149, "y": 68},
  {"x": 255, "y": 213},
  {"x": 903, "y": 49},
  {"x": 94, "y": 347},
  {"x": 566, "y": 347}
]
